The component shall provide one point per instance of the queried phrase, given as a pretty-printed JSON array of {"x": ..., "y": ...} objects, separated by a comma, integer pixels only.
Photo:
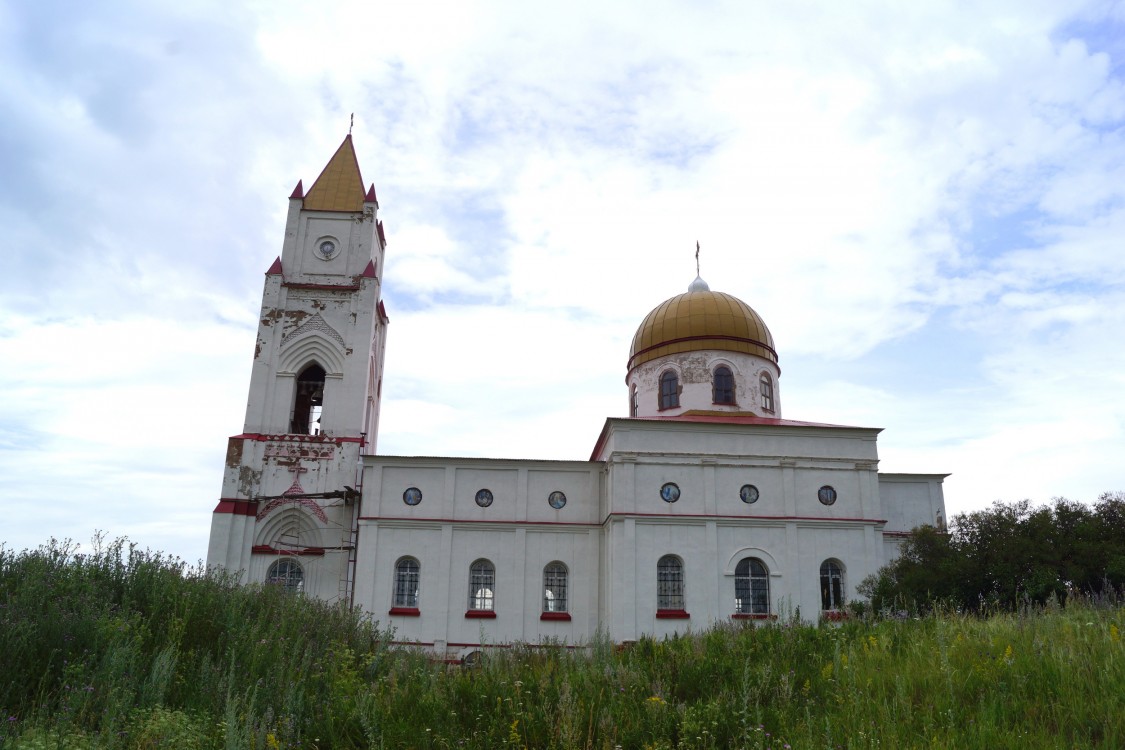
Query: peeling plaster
[
  {"x": 248, "y": 480},
  {"x": 234, "y": 452}
]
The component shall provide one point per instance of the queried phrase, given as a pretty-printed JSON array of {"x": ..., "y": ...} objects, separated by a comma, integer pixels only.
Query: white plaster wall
[
  {"x": 694, "y": 370},
  {"x": 771, "y": 443},
  {"x": 449, "y": 487},
  {"x": 519, "y": 534},
  {"x": 910, "y": 500}
]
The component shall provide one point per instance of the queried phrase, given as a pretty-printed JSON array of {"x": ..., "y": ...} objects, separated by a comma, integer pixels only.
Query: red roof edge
[
  {"x": 382, "y": 237},
  {"x": 370, "y": 197},
  {"x": 299, "y": 191},
  {"x": 383, "y": 313},
  {"x": 275, "y": 269},
  {"x": 369, "y": 272}
]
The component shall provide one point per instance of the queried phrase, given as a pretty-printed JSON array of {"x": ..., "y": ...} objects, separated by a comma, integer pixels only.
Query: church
[{"x": 703, "y": 505}]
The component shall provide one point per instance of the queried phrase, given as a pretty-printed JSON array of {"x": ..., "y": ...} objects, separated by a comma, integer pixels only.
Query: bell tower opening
[{"x": 308, "y": 402}]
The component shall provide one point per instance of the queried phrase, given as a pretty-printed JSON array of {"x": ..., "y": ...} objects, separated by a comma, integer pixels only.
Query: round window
[
  {"x": 748, "y": 493},
  {"x": 556, "y": 500},
  {"x": 326, "y": 248},
  {"x": 670, "y": 493},
  {"x": 412, "y": 496},
  {"x": 826, "y": 495},
  {"x": 484, "y": 498}
]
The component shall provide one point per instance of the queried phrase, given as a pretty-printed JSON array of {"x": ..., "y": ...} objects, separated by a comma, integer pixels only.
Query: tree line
[{"x": 1008, "y": 555}]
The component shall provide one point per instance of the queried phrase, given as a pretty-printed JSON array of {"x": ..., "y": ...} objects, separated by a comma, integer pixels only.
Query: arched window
[
  {"x": 670, "y": 583},
  {"x": 554, "y": 587},
  {"x": 308, "y": 402},
  {"x": 287, "y": 574},
  {"x": 766, "y": 386},
  {"x": 751, "y": 587},
  {"x": 831, "y": 585},
  {"x": 722, "y": 385},
  {"x": 634, "y": 403},
  {"x": 669, "y": 390},
  {"x": 482, "y": 581},
  {"x": 407, "y": 574}
]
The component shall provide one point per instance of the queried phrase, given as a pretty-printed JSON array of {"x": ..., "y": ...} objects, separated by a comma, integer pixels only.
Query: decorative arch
[
  {"x": 313, "y": 347},
  {"x": 757, "y": 552},
  {"x": 284, "y": 529},
  {"x": 315, "y": 323}
]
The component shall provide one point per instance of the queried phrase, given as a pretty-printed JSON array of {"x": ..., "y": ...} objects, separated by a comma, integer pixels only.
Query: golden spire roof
[{"x": 340, "y": 185}]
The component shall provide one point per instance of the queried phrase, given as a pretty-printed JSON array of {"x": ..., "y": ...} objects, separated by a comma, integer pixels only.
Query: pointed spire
[
  {"x": 369, "y": 272},
  {"x": 382, "y": 237},
  {"x": 275, "y": 269},
  {"x": 370, "y": 198},
  {"x": 299, "y": 191},
  {"x": 340, "y": 186}
]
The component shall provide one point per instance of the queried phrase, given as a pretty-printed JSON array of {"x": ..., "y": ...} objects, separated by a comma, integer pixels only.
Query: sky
[{"x": 924, "y": 200}]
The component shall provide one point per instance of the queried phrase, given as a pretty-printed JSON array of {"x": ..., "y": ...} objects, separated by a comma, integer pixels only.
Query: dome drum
[{"x": 696, "y": 388}]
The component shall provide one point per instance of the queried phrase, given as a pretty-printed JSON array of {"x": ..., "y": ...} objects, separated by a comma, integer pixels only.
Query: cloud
[{"x": 925, "y": 203}]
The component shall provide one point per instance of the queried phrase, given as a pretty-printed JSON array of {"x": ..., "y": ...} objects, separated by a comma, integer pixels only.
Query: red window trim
[
  {"x": 555, "y": 616},
  {"x": 480, "y": 614},
  {"x": 672, "y": 614},
  {"x": 405, "y": 612}
]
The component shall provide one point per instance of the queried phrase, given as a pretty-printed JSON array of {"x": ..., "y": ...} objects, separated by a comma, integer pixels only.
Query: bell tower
[{"x": 290, "y": 484}]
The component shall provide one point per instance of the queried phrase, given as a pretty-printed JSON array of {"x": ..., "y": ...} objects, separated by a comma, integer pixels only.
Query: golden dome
[{"x": 700, "y": 320}]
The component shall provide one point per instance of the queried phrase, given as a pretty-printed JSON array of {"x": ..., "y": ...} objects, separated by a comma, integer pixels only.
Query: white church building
[{"x": 703, "y": 505}]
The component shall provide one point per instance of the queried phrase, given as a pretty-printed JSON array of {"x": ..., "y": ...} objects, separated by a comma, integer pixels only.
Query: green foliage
[
  {"x": 131, "y": 650},
  {"x": 1008, "y": 556}
]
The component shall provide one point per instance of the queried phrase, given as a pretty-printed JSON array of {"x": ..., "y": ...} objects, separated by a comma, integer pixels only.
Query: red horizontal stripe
[{"x": 237, "y": 506}]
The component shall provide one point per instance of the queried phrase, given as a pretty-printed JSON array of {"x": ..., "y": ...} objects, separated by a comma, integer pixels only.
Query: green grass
[{"x": 126, "y": 649}]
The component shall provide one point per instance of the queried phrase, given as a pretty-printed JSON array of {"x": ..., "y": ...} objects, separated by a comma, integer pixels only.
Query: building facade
[{"x": 703, "y": 505}]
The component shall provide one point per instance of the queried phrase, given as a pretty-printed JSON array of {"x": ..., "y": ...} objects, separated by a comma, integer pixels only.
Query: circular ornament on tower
[
  {"x": 748, "y": 494},
  {"x": 326, "y": 248},
  {"x": 412, "y": 496},
  {"x": 484, "y": 498},
  {"x": 670, "y": 492},
  {"x": 556, "y": 500},
  {"x": 826, "y": 495}
]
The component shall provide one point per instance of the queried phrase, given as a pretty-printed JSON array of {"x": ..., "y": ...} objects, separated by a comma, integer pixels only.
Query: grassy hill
[{"x": 119, "y": 648}]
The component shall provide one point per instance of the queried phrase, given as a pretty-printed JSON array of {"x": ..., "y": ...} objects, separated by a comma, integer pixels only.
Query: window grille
[
  {"x": 482, "y": 581},
  {"x": 751, "y": 587},
  {"x": 407, "y": 575},
  {"x": 287, "y": 574},
  {"x": 554, "y": 588},
  {"x": 831, "y": 585},
  {"x": 670, "y": 583}
]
